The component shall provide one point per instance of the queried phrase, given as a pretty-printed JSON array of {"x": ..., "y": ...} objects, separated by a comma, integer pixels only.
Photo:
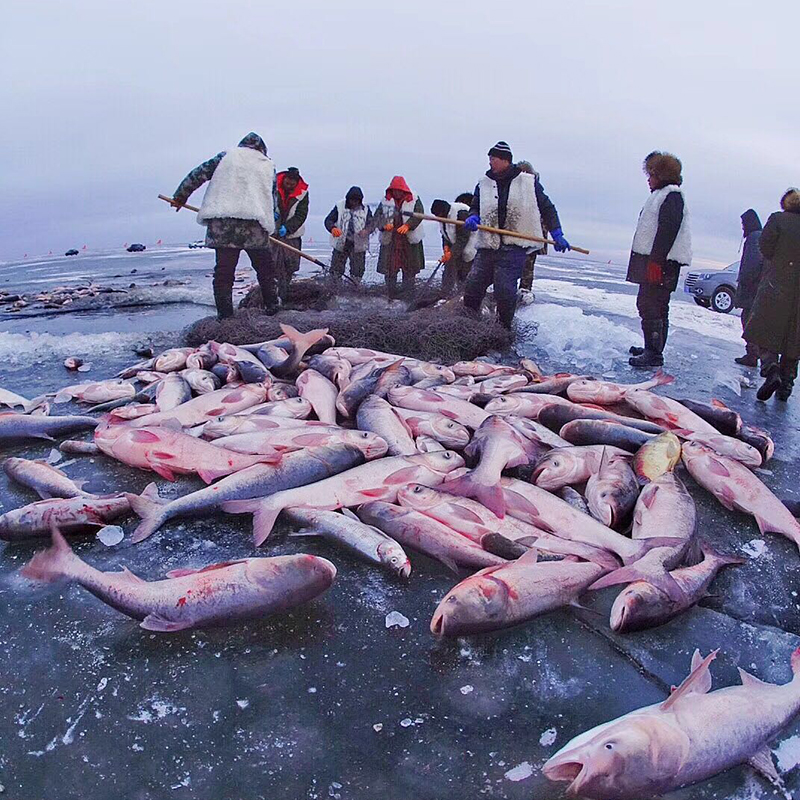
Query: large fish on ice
[
  {"x": 569, "y": 466},
  {"x": 46, "y": 480},
  {"x": 690, "y": 737},
  {"x": 605, "y": 393},
  {"x": 14, "y": 427}
]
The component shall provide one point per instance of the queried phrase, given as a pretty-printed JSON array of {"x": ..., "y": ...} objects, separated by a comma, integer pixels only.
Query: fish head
[
  {"x": 393, "y": 556},
  {"x": 477, "y": 603},
  {"x": 370, "y": 444},
  {"x": 316, "y": 572},
  {"x": 601, "y": 497},
  {"x": 694, "y": 450},
  {"x": 554, "y": 470},
  {"x": 629, "y": 606},
  {"x": 442, "y": 461},
  {"x": 632, "y": 757},
  {"x": 502, "y": 405},
  {"x": 585, "y": 391},
  {"x": 451, "y": 433},
  {"x": 415, "y": 495}
]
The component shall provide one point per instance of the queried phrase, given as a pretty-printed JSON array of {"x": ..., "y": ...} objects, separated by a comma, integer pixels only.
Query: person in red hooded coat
[{"x": 401, "y": 236}]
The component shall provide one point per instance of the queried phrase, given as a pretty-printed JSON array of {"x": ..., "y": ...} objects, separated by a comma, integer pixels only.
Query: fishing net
[{"x": 363, "y": 317}]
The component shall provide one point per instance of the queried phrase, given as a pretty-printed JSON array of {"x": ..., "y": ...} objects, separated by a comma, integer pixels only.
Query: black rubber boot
[
  {"x": 784, "y": 391},
  {"x": 771, "y": 384},
  {"x": 223, "y": 299},
  {"x": 653, "y": 346},
  {"x": 635, "y": 350}
]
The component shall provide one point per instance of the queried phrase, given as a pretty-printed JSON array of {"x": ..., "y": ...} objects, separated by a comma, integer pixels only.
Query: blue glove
[
  {"x": 471, "y": 222},
  {"x": 277, "y": 215},
  {"x": 562, "y": 244},
  {"x": 282, "y": 232}
]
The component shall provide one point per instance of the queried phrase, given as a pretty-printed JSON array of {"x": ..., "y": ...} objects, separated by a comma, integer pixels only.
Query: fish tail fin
[
  {"x": 303, "y": 341},
  {"x": 264, "y": 516},
  {"x": 150, "y": 508},
  {"x": 720, "y": 558},
  {"x": 490, "y": 496},
  {"x": 663, "y": 379},
  {"x": 53, "y": 563},
  {"x": 654, "y": 574}
]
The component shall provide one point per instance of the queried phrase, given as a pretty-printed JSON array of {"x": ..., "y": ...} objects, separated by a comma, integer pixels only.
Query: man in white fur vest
[
  {"x": 458, "y": 244},
  {"x": 662, "y": 244},
  {"x": 514, "y": 200},
  {"x": 349, "y": 224},
  {"x": 239, "y": 214},
  {"x": 291, "y": 194}
]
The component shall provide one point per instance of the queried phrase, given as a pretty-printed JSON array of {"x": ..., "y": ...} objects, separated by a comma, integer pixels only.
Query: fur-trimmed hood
[{"x": 791, "y": 201}]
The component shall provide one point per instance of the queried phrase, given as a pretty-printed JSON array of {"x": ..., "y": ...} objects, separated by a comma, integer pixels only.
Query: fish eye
[
  {"x": 556, "y": 462},
  {"x": 365, "y": 434},
  {"x": 417, "y": 489},
  {"x": 448, "y": 455},
  {"x": 609, "y": 746}
]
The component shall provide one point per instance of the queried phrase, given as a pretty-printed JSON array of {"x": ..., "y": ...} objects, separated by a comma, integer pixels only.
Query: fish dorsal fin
[
  {"x": 530, "y": 557},
  {"x": 127, "y": 575},
  {"x": 750, "y": 680},
  {"x": 698, "y": 682}
]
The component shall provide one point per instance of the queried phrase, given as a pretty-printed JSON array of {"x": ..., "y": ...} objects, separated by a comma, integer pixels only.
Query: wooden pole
[
  {"x": 488, "y": 229},
  {"x": 271, "y": 238}
]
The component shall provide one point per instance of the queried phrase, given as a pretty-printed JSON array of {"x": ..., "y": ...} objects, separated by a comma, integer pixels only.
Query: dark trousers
[
  {"x": 750, "y": 348},
  {"x": 527, "y": 272},
  {"x": 502, "y": 268},
  {"x": 787, "y": 367},
  {"x": 286, "y": 264},
  {"x": 225, "y": 271},
  {"x": 454, "y": 275},
  {"x": 407, "y": 286},
  {"x": 652, "y": 302},
  {"x": 339, "y": 259}
]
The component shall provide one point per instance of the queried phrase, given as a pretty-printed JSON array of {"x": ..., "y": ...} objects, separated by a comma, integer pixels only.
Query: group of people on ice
[{"x": 248, "y": 206}]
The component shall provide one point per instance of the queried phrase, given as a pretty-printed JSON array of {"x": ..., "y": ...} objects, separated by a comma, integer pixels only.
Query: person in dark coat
[
  {"x": 238, "y": 211},
  {"x": 774, "y": 323},
  {"x": 507, "y": 198},
  {"x": 749, "y": 275},
  {"x": 458, "y": 244},
  {"x": 350, "y": 225},
  {"x": 291, "y": 195},
  {"x": 662, "y": 244},
  {"x": 526, "y": 295}
]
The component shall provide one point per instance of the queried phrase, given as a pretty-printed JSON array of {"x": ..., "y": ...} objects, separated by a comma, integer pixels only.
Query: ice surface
[
  {"x": 754, "y": 548},
  {"x": 520, "y": 772},
  {"x": 548, "y": 737},
  {"x": 573, "y": 338},
  {"x": 17, "y": 348},
  {"x": 788, "y": 753},
  {"x": 729, "y": 381},
  {"x": 394, "y": 619}
]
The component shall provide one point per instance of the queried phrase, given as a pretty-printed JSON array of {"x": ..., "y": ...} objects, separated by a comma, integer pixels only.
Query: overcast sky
[{"x": 106, "y": 104}]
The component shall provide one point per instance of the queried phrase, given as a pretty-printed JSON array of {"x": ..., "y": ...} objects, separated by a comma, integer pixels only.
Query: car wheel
[
  {"x": 702, "y": 301},
  {"x": 722, "y": 300}
]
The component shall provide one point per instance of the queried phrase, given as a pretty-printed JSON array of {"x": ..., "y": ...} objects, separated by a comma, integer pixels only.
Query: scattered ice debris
[
  {"x": 732, "y": 382},
  {"x": 84, "y": 367},
  {"x": 242, "y": 703},
  {"x": 394, "y": 619},
  {"x": 467, "y": 689},
  {"x": 754, "y": 548},
  {"x": 54, "y": 457},
  {"x": 407, "y": 722},
  {"x": 788, "y": 753},
  {"x": 312, "y": 689},
  {"x": 377, "y": 727},
  {"x": 111, "y": 535},
  {"x": 520, "y": 772},
  {"x": 548, "y": 737},
  {"x": 763, "y": 471},
  {"x": 158, "y": 709},
  {"x": 333, "y": 790}
]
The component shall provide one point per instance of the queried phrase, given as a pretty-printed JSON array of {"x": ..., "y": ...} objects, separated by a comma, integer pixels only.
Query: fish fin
[
  {"x": 181, "y": 573},
  {"x": 166, "y": 473},
  {"x": 147, "y": 505},
  {"x": 718, "y": 403},
  {"x": 762, "y": 763},
  {"x": 144, "y": 437},
  {"x": 52, "y": 564},
  {"x": 490, "y": 496},
  {"x": 727, "y": 497},
  {"x": 723, "y": 560},
  {"x": 764, "y": 525},
  {"x": 44, "y": 494},
  {"x": 154, "y": 622},
  {"x": 698, "y": 682},
  {"x": 302, "y": 341},
  {"x": 684, "y": 433},
  {"x": 350, "y": 514},
  {"x": 662, "y": 378},
  {"x": 127, "y": 575},
  {"x": 62, "y": 397},
  {"x": 750, "y": 680},
  {"x": 172, "y": 424},
  {"x": 449, "y": 563},
  {"x": 578, "y": 606},
  {"x": 210, "y": 475},
  {"x": 499, "y": 545},
  {"x": 264, "y": 516},
  {"x": 716, "y": 467},
  {"x": 659, "y": 579},
  {"x": 648, "y": 495},
  {"x": 403, "y": 475}
]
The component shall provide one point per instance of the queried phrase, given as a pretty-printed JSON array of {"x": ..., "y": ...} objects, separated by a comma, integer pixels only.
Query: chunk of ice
[
  {"x": 394, "y": 619},
  {"x": 548, "y": 737},
  {"x": 520, "y": 772},
  {"x": 111, "y": 535},
  {"x": 754, "y": 548}
]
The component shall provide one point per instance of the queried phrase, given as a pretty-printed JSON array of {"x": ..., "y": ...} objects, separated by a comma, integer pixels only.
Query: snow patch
[
  {"x": 16, "y": 348},
  {"x": 394, "y": 619},
  {"x": 520, "y": 772},
  {"x": 548, "y": 737},
  {"x": 788, "y": 754},
  {"x": 754, "y": 548}
]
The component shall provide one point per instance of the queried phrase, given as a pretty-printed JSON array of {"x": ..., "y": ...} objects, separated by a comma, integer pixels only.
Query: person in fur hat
[
  {"x": 774, "y": 323},
  {"x": 291, "y": 193},
  {"x": 662, "y": 244},
  {"x": 401, "y": 237},
  {"x": 508, "y": 198},
  {"x": 526, "y": 295},
  {"x": 349, "y": 224},
  {"x": 458, "y": 244},
  {"x": 239, "y": 214},
  {"x": 750, "y": 268}
]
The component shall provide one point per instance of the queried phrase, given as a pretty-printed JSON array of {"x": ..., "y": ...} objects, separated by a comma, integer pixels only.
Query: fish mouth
[
  {"x": 618, "y": 619},
  {"x": 437, "y": 624},
  {"x": 405, "y": 571},
  {"x": 570, "y": 771}
]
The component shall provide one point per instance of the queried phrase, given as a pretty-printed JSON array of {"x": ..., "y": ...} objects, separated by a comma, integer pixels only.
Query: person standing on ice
[
  {"x": 774, "y": 323},
  {"x": 401, "y": 237},
  {"x": 506, "y": 198},
  {"x": 458, "y": 244},
  {"x": 292, "y": 212},
  {"x": 662, "y": 244},
  {"x": 750, "y": 267},
  {"x": 526, "y": 296},
  {"x": 350, "y": 225},
  {"x": 239, "y": 214}
]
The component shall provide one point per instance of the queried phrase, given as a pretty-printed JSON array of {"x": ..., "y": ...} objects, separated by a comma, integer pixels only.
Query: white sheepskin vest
[
  {"x": 449, "y": 232},
  {"x": 241, "y": 188},
  {"x": 646, "y": 228},
  {"x": 522, "y": 214},
  {"x": 388, "y": 206},
  {"x": 302, "y": 229},
  {"x": 359, "y": 217}
]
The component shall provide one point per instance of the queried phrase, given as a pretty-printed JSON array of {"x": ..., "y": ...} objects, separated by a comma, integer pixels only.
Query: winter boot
[
  {"x": 788, "y": 373},
  {"x": 747, "y": 360},
  {"x": 653, "y": 346},
  {"x": 223, "y": 299},
  {"x": 784, "y": 391},
  {"x": 635, "y": 350},
  {"x": 771, "y": 374}
]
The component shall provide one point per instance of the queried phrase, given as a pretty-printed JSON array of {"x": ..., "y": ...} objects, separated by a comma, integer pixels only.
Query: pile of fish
[
  {"x": 57, "y": 297},
  {"x": 540, "y": 487}
]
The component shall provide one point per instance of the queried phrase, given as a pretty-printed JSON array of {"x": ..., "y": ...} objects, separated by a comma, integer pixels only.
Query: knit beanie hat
[{"x": 502, "y": 150}]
